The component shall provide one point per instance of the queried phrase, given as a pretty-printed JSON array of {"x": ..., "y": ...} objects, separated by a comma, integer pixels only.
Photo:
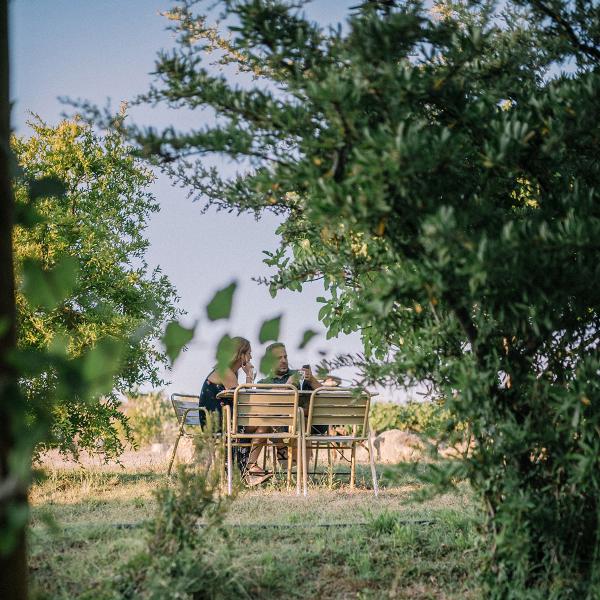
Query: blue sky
[{"x": 105, "y": 49}]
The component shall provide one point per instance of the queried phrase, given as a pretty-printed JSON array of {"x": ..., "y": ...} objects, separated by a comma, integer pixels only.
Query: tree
[
  {"x": 13, "y": 498},
  {"x": 94, "y": 230},
  {"x": 438, "y": 170}
]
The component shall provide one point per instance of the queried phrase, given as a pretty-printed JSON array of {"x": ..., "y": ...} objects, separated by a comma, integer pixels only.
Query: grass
[{"x": 334, "y": 544}]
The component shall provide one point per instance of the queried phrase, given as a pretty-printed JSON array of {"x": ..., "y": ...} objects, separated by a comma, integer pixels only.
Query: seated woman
[{"x": 217, "y": 382}]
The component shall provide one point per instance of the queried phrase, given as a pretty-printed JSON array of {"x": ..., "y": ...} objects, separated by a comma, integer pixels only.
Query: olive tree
[{"x": 438, "y": 170}]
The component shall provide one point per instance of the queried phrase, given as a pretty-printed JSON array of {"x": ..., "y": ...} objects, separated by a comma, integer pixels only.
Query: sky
[{"x": 103, "y": 50}]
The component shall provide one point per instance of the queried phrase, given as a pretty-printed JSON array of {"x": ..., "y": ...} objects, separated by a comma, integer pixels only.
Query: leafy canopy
[
  {"x": 85, "y": 283},
  {"x": 438, "y": 171}
]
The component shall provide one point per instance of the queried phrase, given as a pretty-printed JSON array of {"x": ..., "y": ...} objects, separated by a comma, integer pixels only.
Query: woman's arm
[{"x": 248, "y": 369}]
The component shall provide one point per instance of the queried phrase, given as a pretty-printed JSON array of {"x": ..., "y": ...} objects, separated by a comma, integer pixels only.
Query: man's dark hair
[{"x": 274, "y": 345}]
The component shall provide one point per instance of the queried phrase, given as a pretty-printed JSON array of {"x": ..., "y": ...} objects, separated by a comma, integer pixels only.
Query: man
[{"x": 281, "y": 373}]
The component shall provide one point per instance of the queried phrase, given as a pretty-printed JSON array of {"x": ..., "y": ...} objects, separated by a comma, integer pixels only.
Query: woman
[{"x": 217, "y": 382}]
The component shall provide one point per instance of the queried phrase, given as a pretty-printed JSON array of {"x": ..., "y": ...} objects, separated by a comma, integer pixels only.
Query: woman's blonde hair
[{"x": 242, "y": 346}]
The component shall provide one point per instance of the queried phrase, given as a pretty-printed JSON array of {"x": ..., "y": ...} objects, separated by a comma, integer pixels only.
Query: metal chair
[
  {"x": 338, "y": 407},
  {"x": 187, "y": 410},
  {"x": 264, "y": 405}
]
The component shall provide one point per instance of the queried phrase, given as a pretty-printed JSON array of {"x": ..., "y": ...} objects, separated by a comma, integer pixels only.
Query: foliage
[
  {"x": 91, "y": 237},
  {"x": 438, "y": 171},
  {"x": 178, "y": 561},
  {"x": 428, "y": 418},
  {"x": 150, "y": 417}
]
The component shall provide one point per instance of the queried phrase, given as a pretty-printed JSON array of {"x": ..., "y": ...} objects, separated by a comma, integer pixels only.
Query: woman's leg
[
  {"x": 254, "y": 473},
  {"x": 256, "y": 447}
]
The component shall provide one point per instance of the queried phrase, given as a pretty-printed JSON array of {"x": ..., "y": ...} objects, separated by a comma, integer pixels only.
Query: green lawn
[{"x": 334, "y": 544}]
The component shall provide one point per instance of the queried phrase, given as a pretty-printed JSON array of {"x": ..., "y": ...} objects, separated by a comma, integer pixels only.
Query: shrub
[
  {"x": 150, "y": 417},
  {"x": 421, "y": 417},
  {"x": 187, "y": 554}
]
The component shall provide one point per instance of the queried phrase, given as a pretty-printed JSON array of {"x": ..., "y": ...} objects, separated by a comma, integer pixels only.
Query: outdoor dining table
[
  {"x": 341, "y": 407},
  {"x": 226, "y": 396}
]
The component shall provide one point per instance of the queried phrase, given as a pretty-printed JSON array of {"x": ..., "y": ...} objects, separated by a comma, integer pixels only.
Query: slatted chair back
[
  {"x": 334, "y": 407},
  {"x": 186, "y": 407},
  {"x": 339, "y": 407},
  {"x": 268, "y": 405}
]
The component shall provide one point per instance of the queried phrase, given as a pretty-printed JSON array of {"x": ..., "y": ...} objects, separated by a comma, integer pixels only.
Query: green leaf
[
  {"x": 225, "y": 351},
  {"x": 267, "y": 363},
  {"x": 220, "y": 306},
  {"x": 175, "y": 338},
  {"x": 27, "y": 216},
  {"x": 308, "y": 335},
  {"x": 100, "y": 366},
  {"x": 59, "y": 346},
  {"x": 15, "y": 519},
  {"x": 4, "y": 325},
  {"x": 323, "y": 312},
  {"x": 322, "y": 370},
  {"x": 46, "y": 187},
  {"x": 269, "y": 330},
  {"x": 46, "y": 288}
]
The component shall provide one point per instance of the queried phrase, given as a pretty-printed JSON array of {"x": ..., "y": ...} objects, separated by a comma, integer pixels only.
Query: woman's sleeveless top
[{"x": 208, "y": 398}]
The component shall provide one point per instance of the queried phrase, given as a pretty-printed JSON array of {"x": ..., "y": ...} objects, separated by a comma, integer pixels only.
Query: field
[{"x": 87, "y": 523}]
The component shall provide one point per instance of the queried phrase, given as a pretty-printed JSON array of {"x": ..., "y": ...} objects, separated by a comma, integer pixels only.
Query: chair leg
[
  {"x": 274, "y": 453},
  {"x": 352, "y": 465},
  {"x": 330, "y": 466},
  {"x": 173, "y": 455},
  {"x": 221, "y": 460},
  {"x": 223, "y": 448},
  {"x": 304, "y": 464},
  {"x": 372, "y": 461},
  {"x": 289, "y": 467},
  {"x": 229, "y": 460},
  {"x": 316, "y": 456},
  {"x": 301, "y": 451}
]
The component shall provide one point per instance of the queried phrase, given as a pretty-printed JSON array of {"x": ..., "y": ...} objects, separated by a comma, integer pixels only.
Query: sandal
[{"x": 255, "y": 476}]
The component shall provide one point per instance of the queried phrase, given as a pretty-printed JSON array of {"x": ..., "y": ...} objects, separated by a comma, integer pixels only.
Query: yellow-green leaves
[{"x": 220, "y": 306}]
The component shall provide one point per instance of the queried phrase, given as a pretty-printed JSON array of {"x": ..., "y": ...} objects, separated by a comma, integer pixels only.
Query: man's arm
[{"x": 310, "y": 380}]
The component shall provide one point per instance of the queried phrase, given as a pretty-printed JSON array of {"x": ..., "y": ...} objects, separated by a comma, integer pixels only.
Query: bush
[
  {"x": 150, "y": 417},
  {"x": 421, "y": 417},
  {"x": 187, "y": 554}
]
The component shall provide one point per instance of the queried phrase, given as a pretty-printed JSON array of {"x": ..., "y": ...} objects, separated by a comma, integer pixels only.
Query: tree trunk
[{"x": 13, "y": 563}]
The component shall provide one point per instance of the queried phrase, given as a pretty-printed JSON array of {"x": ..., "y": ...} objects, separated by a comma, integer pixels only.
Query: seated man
[{"x": 281, "y": 372}]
